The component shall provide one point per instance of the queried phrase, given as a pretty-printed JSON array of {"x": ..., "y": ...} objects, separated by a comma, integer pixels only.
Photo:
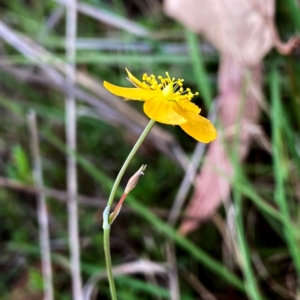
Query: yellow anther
[{"x": 170, "y": 87}]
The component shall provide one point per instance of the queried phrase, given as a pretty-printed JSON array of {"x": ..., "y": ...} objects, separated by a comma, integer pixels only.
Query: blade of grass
[
  {"x": 199, "y": 68},
  {"x": 243, "y": 185},
  {"x": 279, "y": 168},
  {"x": 245, "y": 258},
  {"x": 294, "y": 11},
  {"x": 243, "y": 247}
]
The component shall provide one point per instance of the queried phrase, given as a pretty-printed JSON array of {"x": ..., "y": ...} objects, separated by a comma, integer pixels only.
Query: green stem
[
  {"x": 110, "y": 276},
  {"x": 128, "y": 160},
  {"x": 106, "y": 224}
]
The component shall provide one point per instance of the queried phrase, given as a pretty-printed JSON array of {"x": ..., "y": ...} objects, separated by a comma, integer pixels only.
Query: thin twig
[
  {"x": 41, "y": 209},
  {"x": 71, "y": 27}
]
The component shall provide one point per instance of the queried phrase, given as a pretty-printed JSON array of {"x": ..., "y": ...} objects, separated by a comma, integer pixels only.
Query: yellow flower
[{"x": 167, "y": 102}]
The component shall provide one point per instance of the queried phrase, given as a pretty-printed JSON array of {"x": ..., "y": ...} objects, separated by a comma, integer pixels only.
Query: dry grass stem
[
  {"x": 198, "y": 286},
  {"x": 173, "y": 273},
  {"x": 41, "y": 209},
  {"x": 54, "y": 193},
  {"x": 109, "y": 18},
  {"x": 73, "y": 224}
]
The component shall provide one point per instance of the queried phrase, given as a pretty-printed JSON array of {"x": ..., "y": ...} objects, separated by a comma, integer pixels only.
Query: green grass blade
[
  {"x": 280, "y": 170},
  {"x": 199, "y": 68},
  {"x": 245, "y": 257},
  {"x": 242, "y": 244},
  {"x": 294, "y": 11}
]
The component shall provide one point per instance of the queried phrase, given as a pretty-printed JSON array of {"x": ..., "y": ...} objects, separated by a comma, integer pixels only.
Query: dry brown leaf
[
  {"x": 241, "y": 29},
  {"x": 211, "y": 187},
  {"x": 244, "y": 32}
]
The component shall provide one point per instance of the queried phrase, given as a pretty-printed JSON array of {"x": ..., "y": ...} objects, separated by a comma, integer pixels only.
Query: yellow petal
[
  {"x": 136, "y": 82},
  {"x": 130, "y": 93},
  {"x": 189, "y": 106},
  {"x": 163, "y": 111},
  {"x": 200, "y": 128}
]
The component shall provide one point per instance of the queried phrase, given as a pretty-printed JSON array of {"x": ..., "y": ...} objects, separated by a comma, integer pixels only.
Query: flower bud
[{"x": 132, "y": 182}]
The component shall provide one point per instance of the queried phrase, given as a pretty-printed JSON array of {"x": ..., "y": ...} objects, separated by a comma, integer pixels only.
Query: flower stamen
[{"x": 171, "y": 88}]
